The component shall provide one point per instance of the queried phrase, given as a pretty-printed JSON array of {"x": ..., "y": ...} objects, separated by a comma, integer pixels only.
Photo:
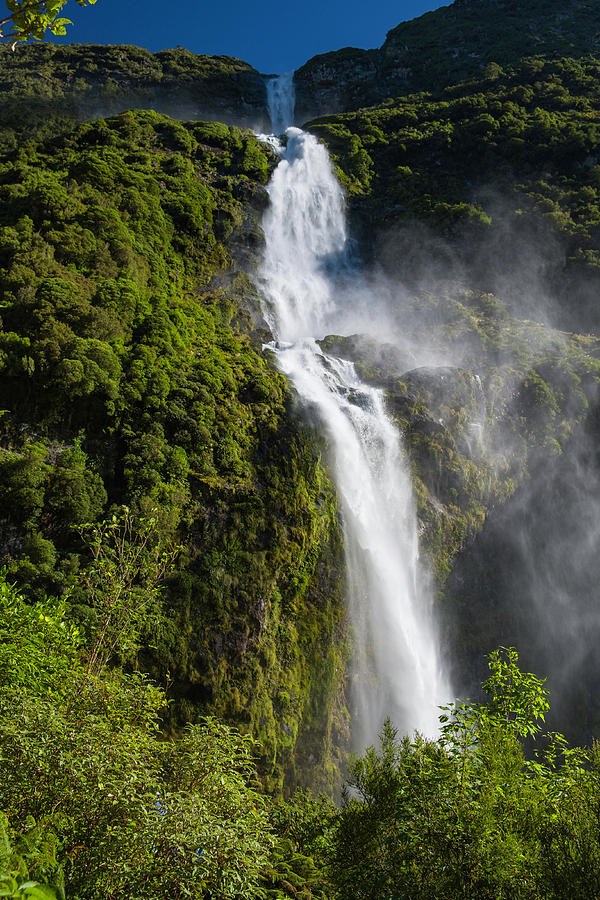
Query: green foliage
[
  {"x": 99, "y": 805},
  {"x": 122, "y": 584},
  {"x": 298, "y": 865},
  {"x": 451, "y": 44},
  {"x": 468, "y": 815},
  {"x": 32, "y": 18},
  {"x": 32, "y": 852},
  {"x": 516, "y": 699},
  {"x": 136, "y": 815},
  {"x": 37, "y": 644},
  {"x": 129, "y": 375}
]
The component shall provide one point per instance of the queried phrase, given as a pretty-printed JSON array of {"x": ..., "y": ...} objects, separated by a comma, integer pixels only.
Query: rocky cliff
[
  {"x": 132, "y": 369},
  {"x": 444, "y": 47}
]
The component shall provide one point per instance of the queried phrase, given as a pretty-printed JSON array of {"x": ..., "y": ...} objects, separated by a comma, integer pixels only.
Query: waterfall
[
  {"x": 395, "y": 663},
  {"x": 281, "y": 99}
]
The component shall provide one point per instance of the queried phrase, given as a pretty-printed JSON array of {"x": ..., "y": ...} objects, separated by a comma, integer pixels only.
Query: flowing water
[
  {"x": 281, "y": 100},
  {"x": 396, "y": 668}
]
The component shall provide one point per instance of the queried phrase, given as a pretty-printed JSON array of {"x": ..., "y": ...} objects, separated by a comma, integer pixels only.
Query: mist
[{"x": 430, "y": 320}]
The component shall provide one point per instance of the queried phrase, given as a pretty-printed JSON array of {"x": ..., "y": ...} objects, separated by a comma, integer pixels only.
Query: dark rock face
[
  {"x": 453, "y": 397},
  {"x": 529, "y": 580},
  {"x": 375, "y": 357},
  {"x": 332, "y": 82}
]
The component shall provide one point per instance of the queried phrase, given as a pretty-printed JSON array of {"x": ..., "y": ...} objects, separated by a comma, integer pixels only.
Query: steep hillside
[
  {"x": 444, "y": 47},
  {"x": 49, "y": 86},
  {"x": 129, "y": 375},
  {"x": 479, "y": 222}
]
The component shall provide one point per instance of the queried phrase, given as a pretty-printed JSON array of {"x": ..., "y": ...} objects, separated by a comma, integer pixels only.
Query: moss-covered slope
[
  {"x": 46, "y": 87},
  {"x": 129, "y": 376}
]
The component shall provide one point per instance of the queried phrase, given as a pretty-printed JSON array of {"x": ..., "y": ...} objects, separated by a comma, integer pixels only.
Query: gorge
[
  {"x": 299, "y": 430},
  {"x": 454, "y": 303}
]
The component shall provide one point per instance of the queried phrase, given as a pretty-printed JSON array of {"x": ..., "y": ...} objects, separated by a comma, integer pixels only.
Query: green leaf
[
  {"x": 37, "y": 891},
  {"x": 8, "y": 886}
]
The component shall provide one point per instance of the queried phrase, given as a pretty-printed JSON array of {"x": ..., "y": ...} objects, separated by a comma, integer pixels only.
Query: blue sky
[{"x": 272, "y": 36}]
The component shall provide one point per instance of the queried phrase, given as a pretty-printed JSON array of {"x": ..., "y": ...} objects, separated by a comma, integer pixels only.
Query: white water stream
[
  {"x": 396, "y": 668},
  {"x": 281, "y": 100}
]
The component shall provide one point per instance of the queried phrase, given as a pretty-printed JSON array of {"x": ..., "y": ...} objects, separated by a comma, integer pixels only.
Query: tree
[
  {"x": 94, "y": 802},
  {"x": 476, "y": 813},
  {"x": 32, "y": 18},
  {"x": 129, "y": 561}
]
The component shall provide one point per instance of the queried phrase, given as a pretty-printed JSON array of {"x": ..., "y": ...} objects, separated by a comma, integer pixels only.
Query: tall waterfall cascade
[{"x": 395, "y": 666}]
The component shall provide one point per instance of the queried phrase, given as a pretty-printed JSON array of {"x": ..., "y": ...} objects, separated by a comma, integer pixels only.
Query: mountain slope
[
  {"x": 50, "y": 86},
  {"x": 444, "y": 47},
  {"x": 130, "y": 373},
  {"x": 478, "y": 217}
]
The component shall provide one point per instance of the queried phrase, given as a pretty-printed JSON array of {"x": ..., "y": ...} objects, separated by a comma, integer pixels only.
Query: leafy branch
[
  {"x": 129, "y": 560},
  {"x": 32, "y": 19}
]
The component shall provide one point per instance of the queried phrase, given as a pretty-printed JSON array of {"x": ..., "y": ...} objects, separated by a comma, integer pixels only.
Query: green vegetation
[
  {"x": 97, "y": 804},
  {"x": 469, "y": 815},
  {"x": 48, "y": 88},
  {"x": 129, "y": 377},
  {"x": 32, "y": 18},
  {"x": 458, "y": 41},
  {"x": 529, "y": 134}
]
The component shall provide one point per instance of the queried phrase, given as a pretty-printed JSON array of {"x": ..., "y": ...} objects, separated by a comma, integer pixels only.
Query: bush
[
  {"x": 125, "y": 813},
  {"x": 469, "y": 814}
]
